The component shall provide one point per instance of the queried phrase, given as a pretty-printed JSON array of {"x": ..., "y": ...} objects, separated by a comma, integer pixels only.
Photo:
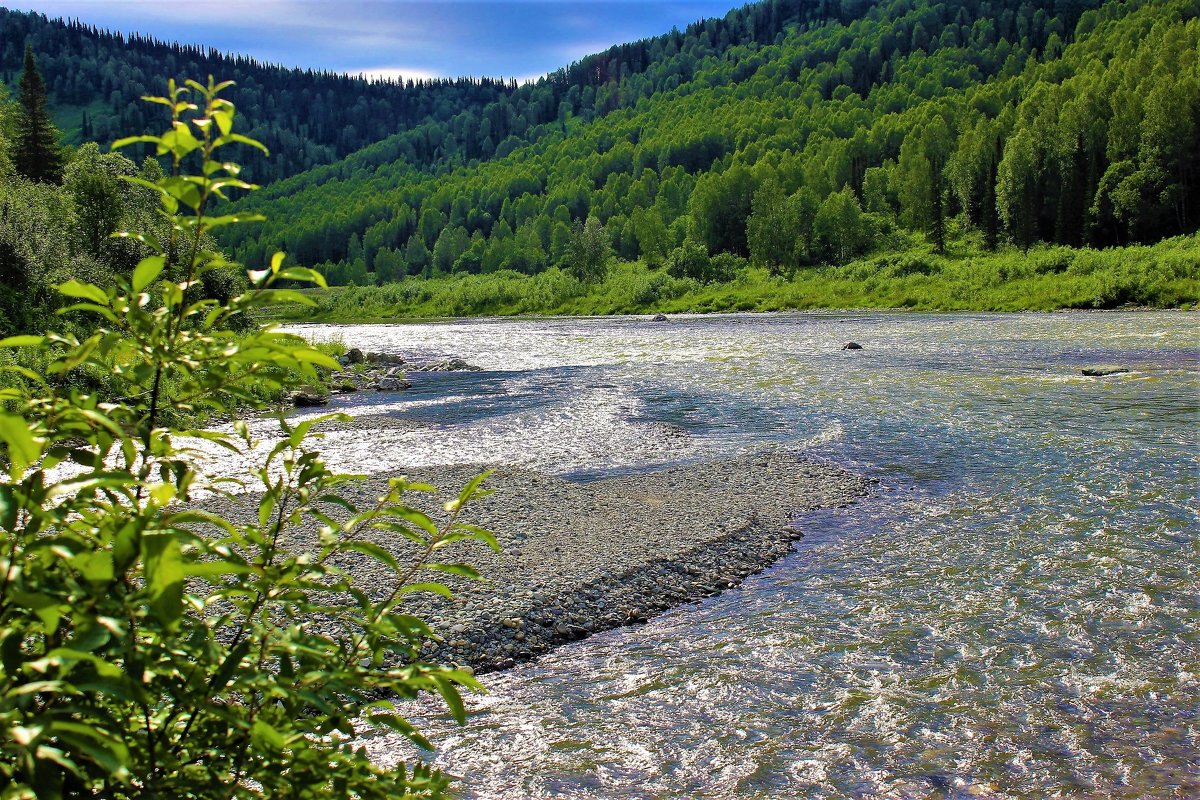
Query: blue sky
[{"x": 415, "y": 38}]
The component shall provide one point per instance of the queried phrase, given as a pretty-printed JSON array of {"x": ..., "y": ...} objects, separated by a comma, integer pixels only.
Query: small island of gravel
[{"x": 577, "y": 558}]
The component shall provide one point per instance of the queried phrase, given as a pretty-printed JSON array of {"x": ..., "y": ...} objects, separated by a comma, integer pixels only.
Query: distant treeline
[
  {"x": 309, "y": 118},
  {"x": 1073, "y": 123}
]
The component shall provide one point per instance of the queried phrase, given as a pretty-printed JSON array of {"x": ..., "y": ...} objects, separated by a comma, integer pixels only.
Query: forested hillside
[
  {"x": 869, "y": 127},
  {"x": 797, "y": 153},
  {"x": 96, "y": 79}
]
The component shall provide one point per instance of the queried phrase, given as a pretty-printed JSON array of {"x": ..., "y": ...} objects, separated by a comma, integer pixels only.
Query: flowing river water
[{"x": 1015, "y": 613}]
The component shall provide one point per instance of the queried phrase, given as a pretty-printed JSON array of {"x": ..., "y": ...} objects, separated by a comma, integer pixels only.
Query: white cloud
[{"x": 398, "y": 73}]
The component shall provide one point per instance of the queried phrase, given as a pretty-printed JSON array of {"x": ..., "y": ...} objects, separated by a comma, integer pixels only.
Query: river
[{"x": 1015, "y": 613}]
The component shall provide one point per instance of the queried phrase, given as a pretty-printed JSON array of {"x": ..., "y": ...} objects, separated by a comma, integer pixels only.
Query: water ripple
[{"x": 1015, "y": 615}]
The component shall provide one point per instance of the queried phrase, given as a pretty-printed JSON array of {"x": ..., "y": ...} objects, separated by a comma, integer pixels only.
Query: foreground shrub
[{"x": 154, "y": 649}]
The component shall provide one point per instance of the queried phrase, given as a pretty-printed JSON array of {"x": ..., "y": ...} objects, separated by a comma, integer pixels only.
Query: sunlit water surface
[{"x": 1015, "y": 613}]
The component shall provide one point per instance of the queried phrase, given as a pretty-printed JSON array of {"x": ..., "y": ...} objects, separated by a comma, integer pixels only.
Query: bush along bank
[{"x": 967, "y": 278}]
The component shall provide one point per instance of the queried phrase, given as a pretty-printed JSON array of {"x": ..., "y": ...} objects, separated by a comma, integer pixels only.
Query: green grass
[{"x": 1165, "y": 275}]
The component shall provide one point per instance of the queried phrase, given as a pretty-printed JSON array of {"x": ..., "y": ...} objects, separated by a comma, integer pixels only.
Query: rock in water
[
  {"x": 659, "y": 318},
  {"x": 852, "y": 346},
  {"x": 1102, "y": 370},
  {"x": 310, "y": 396},
  {"x": 393, "y": 382},
  {"x": 355, "y": 356}
]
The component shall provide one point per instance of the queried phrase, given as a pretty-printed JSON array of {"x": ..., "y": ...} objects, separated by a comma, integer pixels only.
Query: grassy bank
[{"x": 1166, "y": 275}]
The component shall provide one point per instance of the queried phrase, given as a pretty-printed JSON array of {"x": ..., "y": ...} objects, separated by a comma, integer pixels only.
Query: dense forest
[
  {"x": 96, "y": 79},
  {"x": 896, "y": 152},
  {"x": 1005, "y": 124}
]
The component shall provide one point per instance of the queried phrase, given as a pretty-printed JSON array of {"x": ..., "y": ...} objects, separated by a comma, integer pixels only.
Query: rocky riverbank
[
  {"x": 371, "y": 372},
  {"x": 577, "y": 558}
]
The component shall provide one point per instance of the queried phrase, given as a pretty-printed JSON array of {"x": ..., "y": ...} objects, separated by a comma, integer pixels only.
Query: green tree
[
  {"x": 417, "y": 255},
  {"x": 840, "y": 231},
  {"x": 651, "y": 235},
  {"x": 690, "y": 260},
  {"x": 720, "y": 206},
  {"x": 101, "y": 197},
  {"x": 589, "y": 252},
  {"x": 1018, "y": 177},
  {"x": 923, "y": 159},
  {"x": 972, "y": 172},
  {"x": 773, "y": 230},
  {"x": 451, "y": 244},
  {"x": 38, "y": 156},
  {"x": 8, "y": 132},
  {"x": 153, "y": 649}
]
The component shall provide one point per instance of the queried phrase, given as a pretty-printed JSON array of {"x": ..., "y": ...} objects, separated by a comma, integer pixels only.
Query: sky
[{"x": 521, "y": 39}]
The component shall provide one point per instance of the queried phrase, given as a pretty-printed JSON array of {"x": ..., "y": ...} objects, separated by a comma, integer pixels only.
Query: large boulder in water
[
  {"x": 1100, "y": 370},
  {"x": 392, "y": 383},
  {"x": 449, "y": 365},
  {"x": 311, "y": 396},
  {"x": 852, "y": 346},
  {"x": 659, "y": 318}
]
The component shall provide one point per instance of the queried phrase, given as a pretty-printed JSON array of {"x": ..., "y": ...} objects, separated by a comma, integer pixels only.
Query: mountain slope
[
  {"x": 1069, "y": 122},
  {"x": 96, "y": 79},
  {"x": 309, "y": 118}
]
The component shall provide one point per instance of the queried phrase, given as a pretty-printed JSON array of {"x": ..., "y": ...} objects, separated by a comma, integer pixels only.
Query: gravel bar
[{"x": 578, "y": 558}]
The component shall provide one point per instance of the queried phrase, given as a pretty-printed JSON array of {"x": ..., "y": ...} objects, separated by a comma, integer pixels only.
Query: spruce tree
[{"x": 38, "y": 156}]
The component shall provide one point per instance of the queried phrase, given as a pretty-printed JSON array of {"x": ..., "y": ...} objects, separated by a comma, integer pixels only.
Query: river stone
[
  {"x": 1104, "y": 369},
  {"x": 392, "y": 383},
  {"x": 355, "y": 356},
  {"x": 449, "y": 365},
  {"x": 659, "y": 318},
  {"x": 310, "y": 396},
  {"x": 852, "y": 346},
  {"x": 384, "y": 359}
]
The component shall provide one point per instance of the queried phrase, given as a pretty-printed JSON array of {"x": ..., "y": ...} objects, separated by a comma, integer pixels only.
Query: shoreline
[
  {"x": 317, "y": 319},
  {"x": 580, "y": 558}
]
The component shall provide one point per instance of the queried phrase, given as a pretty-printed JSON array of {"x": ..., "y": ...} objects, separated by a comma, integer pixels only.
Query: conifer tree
[{"x": 38, "y": 156}]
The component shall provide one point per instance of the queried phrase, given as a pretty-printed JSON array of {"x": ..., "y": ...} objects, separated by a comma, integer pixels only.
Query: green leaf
[
  {"x": 23, "y": 447},
  {"x": 265, "y": 735},
  {"x": 471, "y": 489},
  {"x": 240, "y": 139},
  {"x": 46, "y": 608},
  {"x": 83, "y": 291},
  {"x": 372, "y": 550},
  {"x": 8, "y": 508},
  {"x": 97, "y": 745},
  {"x": 307, "y": 355},
  {"x": 164, "y": 576},
  {"x": 479, "y": 533},
  {"x": 403, "y": 726},
  {"x": 230, "y": 665},
  {"x": 96, "y": 567},
  {"x": 22, "y": 341},
  {"x": 146, "y": 271},
  {"x": 94, "y": 308},
  {"x": 454, "y": 702},
  {"x": 435, "y": 588},
  {"x": 462, "y": 570},
  {"x": 103, "y": 668},
  {"x": 128, "y": 140}
]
